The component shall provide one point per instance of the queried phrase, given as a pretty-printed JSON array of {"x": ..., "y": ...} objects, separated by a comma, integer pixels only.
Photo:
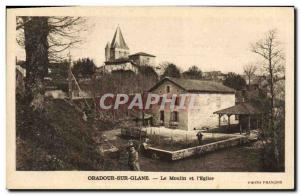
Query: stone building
[
  {"x": 117, "y": 56},
  {"x": 210, "y": 97},
  {"x": 213, "y": 75},
  {"x": 143, "y": 59}
]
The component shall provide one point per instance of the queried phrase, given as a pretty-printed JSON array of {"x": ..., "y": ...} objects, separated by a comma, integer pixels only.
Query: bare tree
[
  {"x": 44, "y": 38},
  {"x": 249, "y": 71},
  {"x": 270, "y": 51},
  {"x": 64, "y": 33}
]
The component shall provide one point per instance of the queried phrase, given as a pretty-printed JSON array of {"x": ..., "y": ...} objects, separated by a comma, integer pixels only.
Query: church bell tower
[{"x": 117, "y": 49}]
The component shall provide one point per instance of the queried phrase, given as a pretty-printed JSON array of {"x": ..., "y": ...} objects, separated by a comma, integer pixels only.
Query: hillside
[{"x": 58, "y": 140}]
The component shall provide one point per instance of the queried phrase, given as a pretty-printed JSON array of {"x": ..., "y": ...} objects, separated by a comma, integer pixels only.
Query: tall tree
[
  {"x": 249, "y": 71},
  {"x": 36, "y": 31},
  {"x": 193, "y": 73},
  {"x": 273, "y": 64},
  {"x": 171, "y": 70},
  {"x": 234, "y": 81},
  {"x": 84, "y": 67},
  {"x": 44, "y": 38}
]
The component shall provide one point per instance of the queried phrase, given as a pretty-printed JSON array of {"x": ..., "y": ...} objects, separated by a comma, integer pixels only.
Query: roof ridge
[{"x": 118, "y": 40}]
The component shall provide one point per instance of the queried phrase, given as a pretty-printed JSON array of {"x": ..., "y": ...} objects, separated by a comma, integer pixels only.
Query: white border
[{"x": 94, "y": 2}]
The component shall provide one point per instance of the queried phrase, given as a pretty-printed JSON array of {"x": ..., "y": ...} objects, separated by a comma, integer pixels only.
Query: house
[
  {"x": 209, "y": 96},
  {"x": 143, "y": 59},
  {"x": 214, "y": 75},
  {"x": 117, "y": 56}
]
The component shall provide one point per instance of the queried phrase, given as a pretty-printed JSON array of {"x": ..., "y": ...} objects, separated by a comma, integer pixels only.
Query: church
[{"x": 117, "y": 56}]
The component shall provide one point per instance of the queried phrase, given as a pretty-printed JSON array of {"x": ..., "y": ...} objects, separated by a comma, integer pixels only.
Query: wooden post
[
  {"x": 186, "y": 139},
  {"x": 172, "y": 139},
  {"x": 229, "y": 119},
  {"x": 159, "y": 137},
  {"x": 220, "y": 120},
  {"x": 240, "y": 128},
  {"x": 70, "y": 77},
  {"x": 249, "y": 122}
]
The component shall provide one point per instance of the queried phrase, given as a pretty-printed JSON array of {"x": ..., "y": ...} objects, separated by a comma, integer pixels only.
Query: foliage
[
  {"x": 234, "y": 81},
  {"x": 43, "y": 39},
  {"x": 249, "y": 71},
  {"x": 148, "y": 71},
  {"x": 273, "y": 61},
  {"x": 63, "y": 33},
  {"x": 84, "y": 68},
  {"x": 171, "y": 70},
  {"x": 59, "y": 70},
  {"x": 192, "y": 73},
  {"x": 55, "y": 142}
]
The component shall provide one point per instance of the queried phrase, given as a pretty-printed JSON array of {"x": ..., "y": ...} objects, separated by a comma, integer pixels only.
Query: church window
[{"x": 168, "y": 89}]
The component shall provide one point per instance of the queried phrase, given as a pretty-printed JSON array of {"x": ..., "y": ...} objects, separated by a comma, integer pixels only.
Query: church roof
[
  {"x": 107, "y": 45},
  {"x": 240, "y": 109},
  {"x": 118, "y": 40},
  {"x": 193, "y": 86},
  {"x": 142, "y": 54}
]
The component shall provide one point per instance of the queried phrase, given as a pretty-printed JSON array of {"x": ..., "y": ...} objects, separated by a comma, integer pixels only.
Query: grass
[{"x": 57, "y": 139}]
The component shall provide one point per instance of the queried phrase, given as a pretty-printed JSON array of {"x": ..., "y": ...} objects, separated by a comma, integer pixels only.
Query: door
[{"x": 162, "y": 117}]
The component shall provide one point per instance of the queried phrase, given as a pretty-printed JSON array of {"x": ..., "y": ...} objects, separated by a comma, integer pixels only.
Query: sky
[{"x": 212, "y": 39}]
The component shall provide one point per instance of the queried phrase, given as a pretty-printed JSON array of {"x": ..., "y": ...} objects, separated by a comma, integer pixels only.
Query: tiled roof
[
  {"x": 240, "y": 109},
  {"x": 191, "y": 85},
  {"x": 142, "y": 54},
  {"x": 118, "y": 40}
]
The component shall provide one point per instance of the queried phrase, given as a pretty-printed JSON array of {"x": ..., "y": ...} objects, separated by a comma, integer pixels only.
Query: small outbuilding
[{"x": 248, "y": 116}]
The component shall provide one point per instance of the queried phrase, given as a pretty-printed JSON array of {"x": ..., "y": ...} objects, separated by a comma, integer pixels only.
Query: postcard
[{"x": 148, "y": 98}]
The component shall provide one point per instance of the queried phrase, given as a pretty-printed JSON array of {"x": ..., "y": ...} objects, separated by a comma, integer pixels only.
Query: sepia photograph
[{"x": 173, "y": 97}]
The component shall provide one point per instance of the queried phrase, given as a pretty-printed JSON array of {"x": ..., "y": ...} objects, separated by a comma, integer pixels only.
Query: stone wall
[
  {"x": 194, "y": 118},
  {"x": 155, "y": 110},
  {"x": 209, "y": 103},
  {"x": 195, "y": 151},
  {"x": 143, "y": 60}
]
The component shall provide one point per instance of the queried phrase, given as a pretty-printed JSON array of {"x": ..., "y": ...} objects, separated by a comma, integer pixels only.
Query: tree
[
  {"x": 63, "y": 33},
  {"x": 43, "y": 38},
  {"x": 273, "y": 65},
  {"x": 36, "y": 32},
  {"x": 193, "y": 73},
  {"x": 171, "y": 70},
  {"x": 249, "y": 71},
  {"x": 234, "y": 81},
  {"x": 84, "y": 68},
  {"x": 147, "y": 77},
  {"x": 148, "y": 71}
]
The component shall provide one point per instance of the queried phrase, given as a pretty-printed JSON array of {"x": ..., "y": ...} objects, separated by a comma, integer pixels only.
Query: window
[
  {"x": 177, "y": 101},
  {"x": 175, "y": 116},
  {"x": 162, "y": 116},
  {"x": 168, "y": 89}
]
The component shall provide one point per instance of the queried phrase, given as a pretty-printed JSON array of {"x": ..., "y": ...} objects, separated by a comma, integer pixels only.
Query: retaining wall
[{"x": 198, "y": 150}]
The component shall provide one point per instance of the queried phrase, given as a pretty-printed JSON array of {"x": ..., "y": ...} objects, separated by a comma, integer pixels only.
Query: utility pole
[{"x": 70, "y": 77}]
